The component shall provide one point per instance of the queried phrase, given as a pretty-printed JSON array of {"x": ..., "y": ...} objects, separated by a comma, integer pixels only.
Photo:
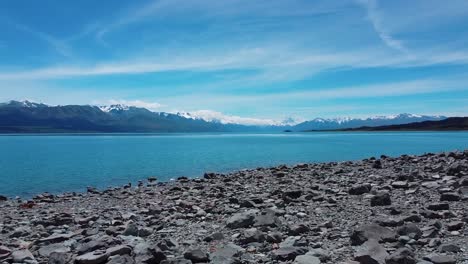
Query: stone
[
  {"x": 400, "y": 184},
  {"x": 23, "y": 256},
  {"x": 131, "y": 229},
  {"x": 438, "y": 206},
  {"x": 197, "y": 256},
  {"x": 56, "y": 238},
  {"x": 441, "y": 259},
  {"x": 298, "y": 229},
  {"x": 411, "y": 230},
  {"x": 119, "y": 250},
  {"x": 253, "y": 235},
  {"x": 227, "y": 254},
  {"x": 266, "y": 219},
  {"x": 381, "y": 199},
  {"x": 241, "y": 220},
  {"x": 401, "y": 256},
  {"x": 95, "y": 257},
  {"x": 371, "y": 252},
  {"x": 450, "y": 196},
  {"x": 288, "y": 253},
  {"x": 118, "y": 259},
  {"x": 372, "y": 231},
  {"x": 455, "y": 225},
  {"x": 360, "y": 189},
  {"x": 452, "y": 248},
  {"x": 60, "y": 258},
  {"x": 45, "y": 251},
  {"x": 307, "y": 259}
]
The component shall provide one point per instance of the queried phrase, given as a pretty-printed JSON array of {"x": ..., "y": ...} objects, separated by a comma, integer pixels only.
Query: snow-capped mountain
[
  {"x": 341, "y": 123},
  {"x": 123, "y": 118},
  {"x": 24, "y": 103}
]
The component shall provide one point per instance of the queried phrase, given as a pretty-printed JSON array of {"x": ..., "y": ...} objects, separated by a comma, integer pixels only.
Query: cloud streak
[
  {"x": 58, "y": 45},
  {"x": 375, "y": 18}
]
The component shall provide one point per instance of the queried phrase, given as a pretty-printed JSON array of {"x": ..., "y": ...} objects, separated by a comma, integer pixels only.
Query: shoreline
[{"x": 408, "y": 207}]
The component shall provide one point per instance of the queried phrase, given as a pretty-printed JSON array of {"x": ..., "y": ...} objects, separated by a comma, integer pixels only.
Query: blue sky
[{"x": 263, "y": 60}]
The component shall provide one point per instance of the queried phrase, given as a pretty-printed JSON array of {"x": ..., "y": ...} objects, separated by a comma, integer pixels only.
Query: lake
[{"x": 32, "y": 164}]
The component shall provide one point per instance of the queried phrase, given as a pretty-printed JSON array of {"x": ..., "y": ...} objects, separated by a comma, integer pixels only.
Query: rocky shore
[{"x": 405, "y": 210}]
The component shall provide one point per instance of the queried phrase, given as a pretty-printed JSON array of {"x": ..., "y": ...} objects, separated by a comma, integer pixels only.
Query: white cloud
[
  {"x": 376, "y": 21},
  {"x": 213, "y": 116}
]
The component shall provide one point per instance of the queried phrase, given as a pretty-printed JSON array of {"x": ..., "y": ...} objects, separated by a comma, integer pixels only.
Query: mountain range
[
  {"x": 451, "y": 123},
  {"x": 30, "y": 117}
]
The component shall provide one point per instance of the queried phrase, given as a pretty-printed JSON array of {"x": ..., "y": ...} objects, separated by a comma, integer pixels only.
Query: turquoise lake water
[{"x": 32, "y": 164}]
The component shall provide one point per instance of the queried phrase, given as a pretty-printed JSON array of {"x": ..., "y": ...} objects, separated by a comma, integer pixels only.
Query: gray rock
[
  {"x": 197, "y": 256},
  {"x": 60, "y": 258},
  {"x": 372, "y": 231},
  {"x": 360, "y": 189},
  {"x": 450, "y": 196},
  {"x": 455, "y": 225},
  {"x": 307, "y": 259},
  {"x": 411, "y": 230},
  {"x": 452, "y": 248},
  {"x": 438, "y": 206},
  {"x": 381, "y": 199},
  {"x": 401, "y": 256},
  {"x": 95, "y": 257},
  {"x": 371, "y": 252},
  {"x": 45, "y": 251},
  {"x": 121, "y": 260},
  {"x": 227, "y": 254},
  {"x": 298, "y": 229},
  {"x": 288, "y": 253},
  {"x": 241, "y": 220},
  {"x": 441, "y": 259},
  {"x": 23, "y": 256},
  {"x": 253, "y": 235}
]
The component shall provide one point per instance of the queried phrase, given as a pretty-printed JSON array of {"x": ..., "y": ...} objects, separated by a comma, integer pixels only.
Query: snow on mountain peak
[
  {"x": 25, "y": 103},
  {"x": 114, "y": 107}
]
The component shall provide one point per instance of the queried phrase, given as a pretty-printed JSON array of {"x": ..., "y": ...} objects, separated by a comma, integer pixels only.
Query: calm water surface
[{"x": 31, "y": 164}]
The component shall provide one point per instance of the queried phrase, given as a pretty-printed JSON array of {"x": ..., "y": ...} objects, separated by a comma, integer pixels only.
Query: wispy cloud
[
  {"x": 58, "y": 45},
  {"x": 375, "y": 19}
]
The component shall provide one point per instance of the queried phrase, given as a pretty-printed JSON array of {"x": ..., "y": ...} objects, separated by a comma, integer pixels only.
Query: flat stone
[
  {"x": 307, "y": 259},
  {"x": 95, "y": 257},
  {"x": 288, "y": 253},
  {"x": 197, "y": 256},
  {"x": 441, "y": 259}
]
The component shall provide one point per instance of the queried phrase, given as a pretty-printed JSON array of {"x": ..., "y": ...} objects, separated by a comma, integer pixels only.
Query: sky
[{"x": 255, "y": 61}]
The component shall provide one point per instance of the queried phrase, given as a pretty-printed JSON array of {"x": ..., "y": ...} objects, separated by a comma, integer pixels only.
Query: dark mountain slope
[{"x": 449, "y": 124}]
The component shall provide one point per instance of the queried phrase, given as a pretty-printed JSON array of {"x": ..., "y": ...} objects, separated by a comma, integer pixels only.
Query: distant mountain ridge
[
  {"x": 30, "y": 117},
  {"x": 451, "y": 123},
  {"x": 343, "y": 123}
]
